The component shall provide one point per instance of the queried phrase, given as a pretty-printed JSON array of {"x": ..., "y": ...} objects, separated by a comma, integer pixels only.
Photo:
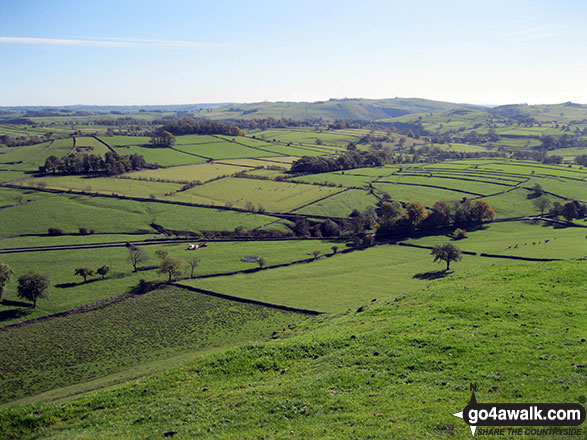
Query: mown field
[{"x": 351, "y": 375}]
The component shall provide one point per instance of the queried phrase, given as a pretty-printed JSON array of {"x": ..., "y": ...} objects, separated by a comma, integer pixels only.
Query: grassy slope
[
  {"x": 106, "y": 339},
  {"x": 514, "y": 330}
]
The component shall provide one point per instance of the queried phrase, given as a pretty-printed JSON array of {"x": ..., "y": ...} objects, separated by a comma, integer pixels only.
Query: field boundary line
[
  {"x": 247, "y": 301},
  {"x": 103, "y": 142}
]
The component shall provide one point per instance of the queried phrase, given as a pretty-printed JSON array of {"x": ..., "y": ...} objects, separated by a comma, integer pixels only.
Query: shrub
[{"x": 55, "y": 231}]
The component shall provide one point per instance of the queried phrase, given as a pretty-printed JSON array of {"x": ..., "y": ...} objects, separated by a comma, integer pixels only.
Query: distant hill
[{"x": 350, "y": 109}]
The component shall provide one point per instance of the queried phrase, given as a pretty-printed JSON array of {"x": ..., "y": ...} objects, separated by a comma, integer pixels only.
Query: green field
[
  {"x": 70, "y": 212},
  {"x": 117, "y": 337},
  {"x": 341, "y": 205},
  {"x": 522, "y": 239},
  {"x": 341, "y": 282},
  {"x": 351, "y": 375},
  {"x": 68, "y": 291},
  {"x": 188, "y": 173},
  {"x": 273, "y": 196},
  {"x": 104, "y": 185}
]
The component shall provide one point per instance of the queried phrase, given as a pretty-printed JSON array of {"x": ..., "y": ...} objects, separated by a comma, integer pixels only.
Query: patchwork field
[{"x": 272, "y": 196}]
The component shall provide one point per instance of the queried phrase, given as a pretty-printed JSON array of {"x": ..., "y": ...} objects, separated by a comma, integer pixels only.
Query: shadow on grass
[
  {"x": 6, "y": 315},
  {"x": 434, "y": 275}
]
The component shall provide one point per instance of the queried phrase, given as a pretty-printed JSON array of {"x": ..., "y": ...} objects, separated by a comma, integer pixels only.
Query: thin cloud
[
  {"x": 529, "y": 34},
  {"x": 109, "y": 42}
]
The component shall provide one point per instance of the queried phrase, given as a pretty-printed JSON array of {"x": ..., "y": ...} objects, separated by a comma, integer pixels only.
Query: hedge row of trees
[{"x": 111, "y": 164}]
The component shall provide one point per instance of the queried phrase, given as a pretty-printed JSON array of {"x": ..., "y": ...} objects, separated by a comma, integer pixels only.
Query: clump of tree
[
  {"x": 570, "y": 210},
  {"x": 32, "y": 286},
  {"x": 395, "y": 219},
  {"x": 19, "y": 141},
  {"x": 6, "y": 273},
  {"x": 261, "y": 262},
  {"x": 162, "y": 138},
  {"x": 446, "y": 252},
  {"x": 112, "y": 164},
  {"x": 186, "y": 125}
]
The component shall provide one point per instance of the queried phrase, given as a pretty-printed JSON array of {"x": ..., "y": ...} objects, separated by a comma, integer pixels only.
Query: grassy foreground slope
[{"x": 396, "y": 370}]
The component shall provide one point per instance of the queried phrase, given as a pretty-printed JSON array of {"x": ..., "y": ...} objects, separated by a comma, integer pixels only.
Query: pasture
[
  {"x": 352, "y": 374},
  {"x": 187, "y": 173},
  {"x": 69, "y": 291},
  {"x": 272, "y": 196},
  {"x": 343, "y": 281},
  {"x": 107, "y": 215},
  {"x": 124, "y": 335},
  {"x": 536, "y": 239}
]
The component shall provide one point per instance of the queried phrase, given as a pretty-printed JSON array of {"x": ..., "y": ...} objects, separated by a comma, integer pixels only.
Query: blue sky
[{"x": 178, "y": 52}]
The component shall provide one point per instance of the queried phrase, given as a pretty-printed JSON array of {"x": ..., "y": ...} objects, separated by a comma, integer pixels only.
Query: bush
[
  {"x": 459, "y": 234},
  {"x": 55, "y": 231}
]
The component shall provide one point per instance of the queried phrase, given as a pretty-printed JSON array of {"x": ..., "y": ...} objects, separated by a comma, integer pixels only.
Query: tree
[
  {"x": 193, "y": 263},
  {"x": 416, "y": 213},
  {"x": 172, "y": 266},
  {"x": 261, "y": 262},
  {"x": 569, "y": 211},
  {"x": 334, "y": 249},
  {"x": 136, "y": 256},
  {"x": 84, "y": 272},
  {"x": 542, "y": 203},
  {"x": 447, "y": 252},
  {"x": 32, "y": 286},
  {"x": 5, "y": 275},
  {"x": 481, "y": 211},
  {"x": 161, "y": 253},
  {"x": 537, "y": 190},
  {"x": 316, "y": 254},
  {"x": 103, "y": 271}
]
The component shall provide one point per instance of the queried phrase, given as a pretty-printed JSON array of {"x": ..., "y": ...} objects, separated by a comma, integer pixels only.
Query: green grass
[
  {"x": 517, "y": 238},
  {"x": 104, "y": 185},
  {"x": 341, "y": 205},
  {"x": 68, "y": 291},
  {"x": 396, "y": 370},
  {"x": 201, "y": 172},
  {"x": 421, "y": 194},
  {"x": 89, "y": 145},
  {"x": 273, "y": 196},
  {"x": 108, "y": 339},
  {"x": 165, "y": 157},
  {"x": 340, "y": 282},
  {"x": 118, "y": 141},
  {"x": 70, "y": 212}
]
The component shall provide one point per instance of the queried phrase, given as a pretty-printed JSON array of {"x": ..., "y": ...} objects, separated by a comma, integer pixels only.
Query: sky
[{"x": 128, "y": 52}]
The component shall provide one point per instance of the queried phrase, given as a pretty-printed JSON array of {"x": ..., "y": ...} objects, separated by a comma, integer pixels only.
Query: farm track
[{"x": 66, "y": 247}]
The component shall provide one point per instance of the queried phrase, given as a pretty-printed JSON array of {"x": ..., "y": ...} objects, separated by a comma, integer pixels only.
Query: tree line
[
  {"x": 346, "y": 161},
  {"x": 187, "y": 125},
  {"x": 111, "y": 164}
]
